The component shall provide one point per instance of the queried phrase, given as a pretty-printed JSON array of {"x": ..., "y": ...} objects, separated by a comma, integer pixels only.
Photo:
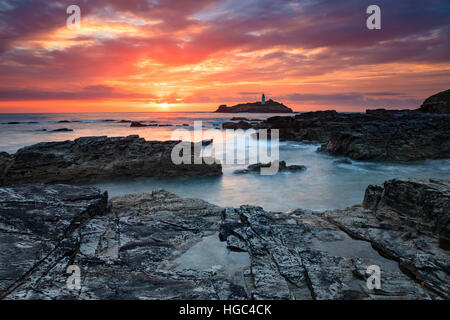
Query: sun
[{"x": 164, "y": 105}]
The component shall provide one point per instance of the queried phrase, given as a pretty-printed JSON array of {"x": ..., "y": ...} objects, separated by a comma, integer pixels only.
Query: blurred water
[
  {"x": 324, "y": 185},
  {"x": 26, "y": 129}
]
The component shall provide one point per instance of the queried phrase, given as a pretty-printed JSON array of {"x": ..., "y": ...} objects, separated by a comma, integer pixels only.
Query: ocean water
[{"x": 325, "y": 184}]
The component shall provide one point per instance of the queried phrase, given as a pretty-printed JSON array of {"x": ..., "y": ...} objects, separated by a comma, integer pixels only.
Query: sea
[{"x": 327, "y": 183}]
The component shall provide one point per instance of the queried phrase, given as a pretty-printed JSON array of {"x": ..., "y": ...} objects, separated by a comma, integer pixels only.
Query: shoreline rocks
[
  {"x": 61, "y": 130},
  {"x": 438, "y": 103},
  {"x": 136, "y": 124},
  {"x": 377, "y": 135},
  {"x": 237, "y": 125},
  {"x": 98, "y": 158},
  {"x": 280, "y": 164},
  {"x": 408, "y": 221},
  {"x": 311, "y": 255},
  {"x": 154, "y": 246}
]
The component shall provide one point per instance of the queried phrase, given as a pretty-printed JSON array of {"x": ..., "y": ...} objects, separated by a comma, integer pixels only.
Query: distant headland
[{"x": 262, "y": 106}]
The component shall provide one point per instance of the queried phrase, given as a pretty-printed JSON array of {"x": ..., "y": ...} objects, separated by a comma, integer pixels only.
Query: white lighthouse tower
[{"x": 263, "y": 99}]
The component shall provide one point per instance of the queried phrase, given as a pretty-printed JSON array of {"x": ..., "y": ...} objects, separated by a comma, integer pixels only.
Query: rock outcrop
[
  {"x": 126, "y": 254},
  {"x": 236, "y": 125},
  {"x": 62, "y": 130},
  {"x": 438, "y": 103},
  {"x": 97, "y": 158},
  {"x": 160, "y": 246},
  {"x": 137, "y": 124},
  {"x": 408, "y": 221},
  {"x": 39, "y": 226},
  {"x": 281, "y": 165},
  {"x": 308, "y": 255},
  {"x": 256, "y": 107},
  {"x": 380, "y": 135}
]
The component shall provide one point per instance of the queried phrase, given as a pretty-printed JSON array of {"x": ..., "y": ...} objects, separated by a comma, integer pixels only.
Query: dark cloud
[
  {"x": 354, "y": 99},
  {"x": 86, "y": 93}
]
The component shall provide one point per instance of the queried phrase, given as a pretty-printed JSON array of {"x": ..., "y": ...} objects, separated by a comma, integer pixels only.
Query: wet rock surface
[
  {"x": 38, "y": 229},
  {"x": 98, "y": 158},
  {"x": 160, "y": 246},
  {"x": 408, "y": 221},
  {"x": 128, "y": 253}
]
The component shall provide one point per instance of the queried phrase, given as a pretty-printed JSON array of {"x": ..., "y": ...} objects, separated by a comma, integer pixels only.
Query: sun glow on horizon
[{"x": 164, "y": 105}]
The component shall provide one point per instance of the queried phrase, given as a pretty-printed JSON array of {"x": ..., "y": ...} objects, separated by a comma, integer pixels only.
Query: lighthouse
[{"x": 263, "y": 99}]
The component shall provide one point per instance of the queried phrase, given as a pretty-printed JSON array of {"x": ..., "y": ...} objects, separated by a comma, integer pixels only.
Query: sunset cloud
[{"x": 196, "y": 54}]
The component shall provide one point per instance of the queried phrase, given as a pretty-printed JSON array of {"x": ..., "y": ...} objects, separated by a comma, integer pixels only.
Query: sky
[{"x": 193, "y": 55}]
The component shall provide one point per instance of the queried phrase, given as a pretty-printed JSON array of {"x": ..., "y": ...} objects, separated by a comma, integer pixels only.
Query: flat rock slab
[
  {"x": 35, "y": 223},
  {"x": 304, "y": 256},
  {"x": 127, "y": 252},
  {"x": 99, "y": 158}
]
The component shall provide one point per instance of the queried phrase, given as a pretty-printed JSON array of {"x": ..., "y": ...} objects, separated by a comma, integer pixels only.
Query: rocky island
[
  {"x": 262, "y": 106},
  {"x": 160, "y": 246}
]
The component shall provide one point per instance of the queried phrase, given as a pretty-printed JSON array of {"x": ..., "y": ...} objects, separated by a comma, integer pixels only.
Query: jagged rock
[
  {"x": 280, "y": 164},
  {"x": 5, "y": 160},
  {"x": 425, "y": 203},
  {"x": 236, "y": 125},
  {"x": 136, "y": 124},
  {"x": 409, "y": 221},
  {"x": 402, "y": 140},
  {"x": 372, "y": 197},
  {"x": 160, "y": 246},
  {"x": 303, "y": 256},
  {"x": 128, "y": 252},
  {"x": 98, "y": 158},
  {"x": 381, "y": 135},
  {"x": 438, "y": 103}
]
